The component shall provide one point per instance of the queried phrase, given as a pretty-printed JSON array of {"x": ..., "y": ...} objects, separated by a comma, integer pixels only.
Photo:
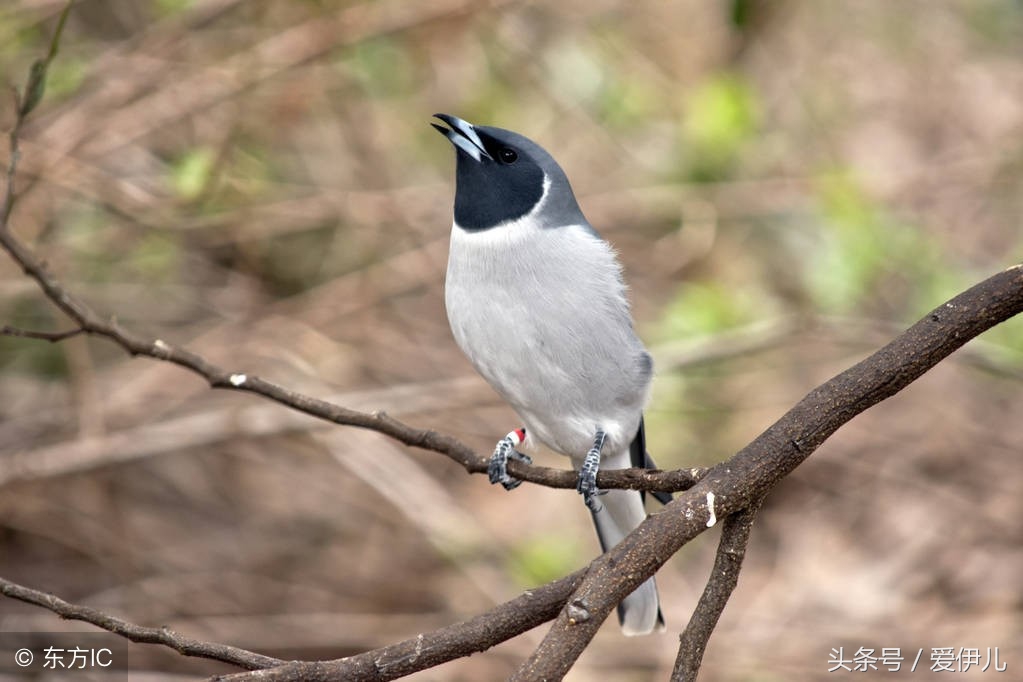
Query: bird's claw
[
  {"x": 497, "y": 469},
  {"x": 587, "y": 483}
]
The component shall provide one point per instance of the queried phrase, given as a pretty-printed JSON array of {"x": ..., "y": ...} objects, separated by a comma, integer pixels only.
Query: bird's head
[{"x": 502, "y": 176}]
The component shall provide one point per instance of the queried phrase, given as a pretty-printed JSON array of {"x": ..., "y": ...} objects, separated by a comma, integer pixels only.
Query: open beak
[{"x": 462, "y": 135}]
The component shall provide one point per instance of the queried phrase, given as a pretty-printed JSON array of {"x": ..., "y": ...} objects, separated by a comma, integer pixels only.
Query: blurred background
[{"x": 789, "y": 184}]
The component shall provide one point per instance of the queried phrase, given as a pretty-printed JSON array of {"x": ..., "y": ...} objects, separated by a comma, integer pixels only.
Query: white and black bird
[{"x": 536, "y": 301}]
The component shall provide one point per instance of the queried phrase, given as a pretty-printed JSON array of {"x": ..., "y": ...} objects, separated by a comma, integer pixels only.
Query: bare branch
[
  {"x": 732, "y": 486},
  {"x": 579, "y": 603},
  {"x": 24, "y": 103},
  {"x": 724, "y": 576},
  {"x": 88, "y": 321},
  {"x": 218, "y": 377},
  {"x": 726, "y": 490},
  {"x": 476, "y": 634},
  {"x": 12, "y": 163},
  {"x": 138, "y": 633},
  {"x": 52, "y": 337}
]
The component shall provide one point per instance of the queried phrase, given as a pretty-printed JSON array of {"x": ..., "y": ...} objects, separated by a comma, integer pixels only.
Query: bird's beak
[{"x": 462, "y": 135}]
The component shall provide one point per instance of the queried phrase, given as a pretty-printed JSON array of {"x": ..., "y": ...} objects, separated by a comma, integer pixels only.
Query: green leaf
[
  {"x": 702, "y": 309},
  {"x": 866, "y": 250},
  {"x": 722, "y": 115},
  {"x": 191, "y": 174},
  {"x": 35, "y": 87},
  {"x": 852, "y": 256}
]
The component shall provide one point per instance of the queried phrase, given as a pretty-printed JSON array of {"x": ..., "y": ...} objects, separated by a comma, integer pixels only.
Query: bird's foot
[
  {"x": 497, "y": 470},
  {"x": 587, "y": 483}
]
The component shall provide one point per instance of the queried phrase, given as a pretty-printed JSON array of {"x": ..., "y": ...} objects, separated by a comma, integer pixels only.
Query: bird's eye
[{"x": 507, "y": 155}]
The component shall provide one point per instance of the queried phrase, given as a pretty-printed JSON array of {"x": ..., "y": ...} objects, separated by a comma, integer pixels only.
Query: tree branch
[
  {"x": 724, "y": 576},
  {"x": 476, "y": 634},
  {"x": 89, "y": 322},
  {"x": 138, "y": 633},
  {"x": 52, "y": 337},
  {"x": 732, "y": 486},
  {"x": 731, "y": 489},
  {"x": 218, "y": 377},
  {"x": 580, "y": 602},
  {"x": 479, "y": 633}
]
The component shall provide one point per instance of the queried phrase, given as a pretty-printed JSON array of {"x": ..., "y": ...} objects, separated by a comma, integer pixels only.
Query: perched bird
[{"x": 536, "y": 301}]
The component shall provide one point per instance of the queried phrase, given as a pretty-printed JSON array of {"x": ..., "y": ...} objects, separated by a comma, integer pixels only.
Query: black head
[{"x": 502, "y": 176}]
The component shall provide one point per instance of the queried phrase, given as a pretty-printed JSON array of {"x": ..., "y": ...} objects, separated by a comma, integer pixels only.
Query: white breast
[{"x": 541, "y": 313}]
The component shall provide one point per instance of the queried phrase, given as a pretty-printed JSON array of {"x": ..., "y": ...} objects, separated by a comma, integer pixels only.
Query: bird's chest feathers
[
  {"x": 499, "y": 282},
  {"x": 520, "y": 296},
  {"x": 523, "y": 276},
  {"x": 541, "y": 313}
]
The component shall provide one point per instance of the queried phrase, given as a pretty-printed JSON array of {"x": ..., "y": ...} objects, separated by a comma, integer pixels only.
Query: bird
[{"x": 536, "y": 300}]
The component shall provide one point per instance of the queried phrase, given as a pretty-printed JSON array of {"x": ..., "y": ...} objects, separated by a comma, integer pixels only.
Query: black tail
[{"x": 641, "y": 458}]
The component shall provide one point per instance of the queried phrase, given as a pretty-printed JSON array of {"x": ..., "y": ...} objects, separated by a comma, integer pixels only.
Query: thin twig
[
  {"x": 24, "y": 103},
  {"x": 88, "y": 321},
  {"x": 52, "y": 337},
  {"x": 12, "y": 163},
  {"x": 138, "y": 633},
  {"x": 731, "y": 490},
  {"x": 724, "y": 576},
  {"x": 218, "y": 377}
]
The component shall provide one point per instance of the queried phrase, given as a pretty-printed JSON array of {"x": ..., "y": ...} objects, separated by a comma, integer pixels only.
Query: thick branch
[
  {"x": 732, "y": 486},
  {"x": 731, "y": 490},
  {"x": 138, "y": 633}
]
